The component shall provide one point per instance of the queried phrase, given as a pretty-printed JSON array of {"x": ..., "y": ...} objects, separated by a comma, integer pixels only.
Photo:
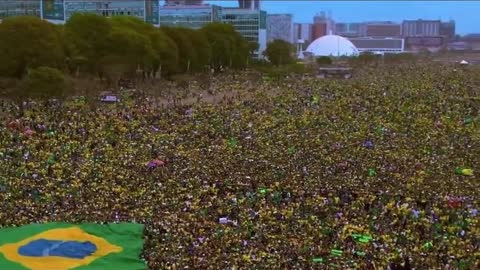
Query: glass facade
[
  {"x": 251, "y": 24},
  {"x": 53, "y": 10},
  {"x": 246, "y": 22},
  {"x": 189, "y": 16},
  {"x": 10, "y": 8},
  {"x": 106, "y": 8},
  {"x": 152, "y": 11}
]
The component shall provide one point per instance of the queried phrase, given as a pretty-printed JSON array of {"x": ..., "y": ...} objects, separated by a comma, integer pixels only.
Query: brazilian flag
[{"x": 64, "y": 246}]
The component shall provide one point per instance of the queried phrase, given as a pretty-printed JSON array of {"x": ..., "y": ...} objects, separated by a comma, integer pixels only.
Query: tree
[
  {"x": 241, "y": 53},
  {"x": 252, "y": 47},
  {"x": 229, "y": 48},
  {"x": 87, "y": 39},
  {"x": 128, "y": 51},
  {"x": 164, "y": 48},
  {"x": 167, "y": 51},
  {"x": 201, "y": 45},
  {"x": 43, "y": 83},
  {"x": 28, "y": 42},
  {"x": 279, "y": 52},
  {"x": 186, "y": 51}
]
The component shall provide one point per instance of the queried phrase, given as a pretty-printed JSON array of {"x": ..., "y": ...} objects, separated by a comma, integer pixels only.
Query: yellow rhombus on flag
[{"x": 64, "y": 246}]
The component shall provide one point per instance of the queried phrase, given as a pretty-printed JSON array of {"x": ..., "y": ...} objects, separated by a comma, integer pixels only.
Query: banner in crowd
[
  {"x": 152, "y": 11},
  {"x": 63, "y": 246},
  {"x": 53, "y": 9}
]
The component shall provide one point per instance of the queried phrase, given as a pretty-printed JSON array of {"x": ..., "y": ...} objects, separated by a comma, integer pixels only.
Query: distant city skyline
[{"x": 465, "y": 13}]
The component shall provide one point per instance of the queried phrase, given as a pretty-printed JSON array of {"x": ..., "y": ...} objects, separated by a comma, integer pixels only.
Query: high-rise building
[
  {"x": 251, "y": 24},
  {"x": 280, "y": 26},
  {"x": 302, "y": 31},
  {"x": 99, "y": 7},
  {"x": 447, "y": 29},
  {"x": 421, "y": 28},
  {"x": 322, "y": 25},
  {"x": 383, "y": 29},
  {"x": 195, "y": 16},
  {"x": 249, "y": 4},
  {"x": 350, "y": 29},
  {"x": 10, "y": 8},
  {"x": 183, "y": 2}
]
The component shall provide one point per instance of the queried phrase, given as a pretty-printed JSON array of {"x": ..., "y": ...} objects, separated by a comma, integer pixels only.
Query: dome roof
[{"x": 332, "y": 45}]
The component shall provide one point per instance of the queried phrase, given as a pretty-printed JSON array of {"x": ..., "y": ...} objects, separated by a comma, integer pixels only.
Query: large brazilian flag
[{"x": 64, "y": 246}]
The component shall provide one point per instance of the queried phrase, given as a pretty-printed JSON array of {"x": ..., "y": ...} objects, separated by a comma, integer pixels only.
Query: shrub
[{"x": 43, "y": 83}]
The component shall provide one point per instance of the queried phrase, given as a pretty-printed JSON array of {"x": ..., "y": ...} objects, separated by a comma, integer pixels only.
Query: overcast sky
[{"x": 465, "y": 13}]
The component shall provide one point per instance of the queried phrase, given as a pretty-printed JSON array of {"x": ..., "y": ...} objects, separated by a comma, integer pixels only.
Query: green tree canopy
[
  {"x": 43, "y": 83},
  {"x": 201, "y": 45},
  {"x": 128, "y": 51},
  {"x": 187, "y": 52},
  {"x": 28, "y": 42},
  {"x": 279, "y": 52},
  {"x": 228, "y": 47},
  {"x": 167, "y": 51},
  {"x": 87, "y": 37}
]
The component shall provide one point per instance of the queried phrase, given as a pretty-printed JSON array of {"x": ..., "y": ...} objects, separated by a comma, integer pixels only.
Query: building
[
  {"x": 379, "y": 45},
  {"x": 194, "y": 16},
  {"x": 424, "y": 44},
  {"x": 459, "y": 46},
  {"x": 473, "y": 41},
  {"x": 10, "y": 8},
  {"x": 280, "y": 26},
  {"x": 322, "y": 25},
  {"x": 251, "y": 24},
  {"x": 249, "y": 4},
  {"x": 383, "y": 29},
  {"x": 332, "y": 45},
  {"x": 447, "y": 29},
  {"x": 302, "y": 35},
  {"x": 183, "y": 2},
  {"x": 99, "y": 7},
  {"x": 350, "y": 29},
  {"x": 319, "y": 30},
  {"x": 421, "y": 28}
]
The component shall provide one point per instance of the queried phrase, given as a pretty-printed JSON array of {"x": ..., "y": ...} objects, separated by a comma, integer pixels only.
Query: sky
[{"x": 465, "y": 13}]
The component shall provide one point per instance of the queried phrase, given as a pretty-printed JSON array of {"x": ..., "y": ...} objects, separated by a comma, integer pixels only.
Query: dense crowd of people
[{"x": 374, "y": 172}]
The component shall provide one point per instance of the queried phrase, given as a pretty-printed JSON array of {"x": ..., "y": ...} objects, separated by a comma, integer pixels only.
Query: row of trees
[{"x": 117, "y": 47}]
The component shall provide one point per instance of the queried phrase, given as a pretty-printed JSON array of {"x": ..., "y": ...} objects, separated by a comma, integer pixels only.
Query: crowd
[{"x": 376, "y": 172}]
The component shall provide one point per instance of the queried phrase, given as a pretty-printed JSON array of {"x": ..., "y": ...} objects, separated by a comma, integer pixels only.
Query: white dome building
[{"x": 332, "y": 45}]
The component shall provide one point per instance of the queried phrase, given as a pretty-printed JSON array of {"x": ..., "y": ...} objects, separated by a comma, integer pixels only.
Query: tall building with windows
[
  {"x": 322, "y": 25},
  {"x": 421, "y": 28},
  {"x": 249, "y": 4},
  {"x": 280, "y": 26},
  {"x": 383, "y": 29},
  {"x": 350, "y": 29},
  {"x": 447, "y": 29},
  {"x": 105, "y": 8},
  {"x": 194, "y": 16},
  {"x": 251, "y": 24},
  {"x": 302, "y": 31},
  {"x": 10, "y": 8},
  {"x": 183, "y": 2}
]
